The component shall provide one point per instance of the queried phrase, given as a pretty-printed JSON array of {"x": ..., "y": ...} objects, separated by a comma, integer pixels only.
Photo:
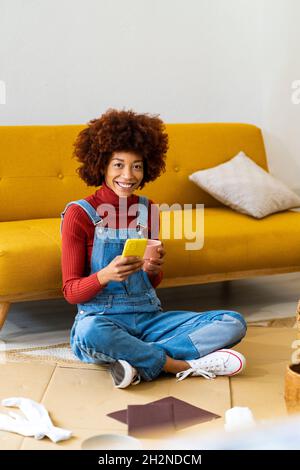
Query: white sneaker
[
  {"x": 221, "y": 362},
  {"x": 123, "y": 374}
]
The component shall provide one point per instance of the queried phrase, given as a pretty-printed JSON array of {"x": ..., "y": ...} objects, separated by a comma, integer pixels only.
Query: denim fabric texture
[{"x": 126, "y": 320}]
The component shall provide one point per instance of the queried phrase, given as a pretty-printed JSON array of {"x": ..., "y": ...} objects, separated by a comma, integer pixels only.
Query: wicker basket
[
  {"x": 298, "y": 319},
  {"x": 292, "y": 388},
  {"x": 292, "y": 378}
]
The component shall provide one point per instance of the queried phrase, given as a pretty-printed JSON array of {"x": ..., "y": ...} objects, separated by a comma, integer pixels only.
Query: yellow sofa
[{"x": 38, "y": 178}]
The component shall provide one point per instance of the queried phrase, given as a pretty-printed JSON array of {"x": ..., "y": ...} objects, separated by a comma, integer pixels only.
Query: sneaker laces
[
  {"x": 206, "y": 370},
  {"x": 136, "y": 380}
]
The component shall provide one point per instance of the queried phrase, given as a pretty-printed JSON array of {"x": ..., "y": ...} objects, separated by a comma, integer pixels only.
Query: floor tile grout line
[
  {"x": 21, "y": 443},
  {"x": 41, "y": 400},
  {"x": 230, "y": 392},
  {"x": 82, "y": 368},
  {"x": 50, "y": 380}
]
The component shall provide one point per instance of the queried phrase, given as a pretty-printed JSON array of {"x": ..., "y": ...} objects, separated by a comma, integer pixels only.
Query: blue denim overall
[{"x": 126, "y": 320}]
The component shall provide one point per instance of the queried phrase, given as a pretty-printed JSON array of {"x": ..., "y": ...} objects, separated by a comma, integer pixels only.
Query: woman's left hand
[{"x": 154, "y": 265}]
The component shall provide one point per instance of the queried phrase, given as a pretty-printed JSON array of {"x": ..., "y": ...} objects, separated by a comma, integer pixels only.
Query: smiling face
[{"x": 124, "y": 173}]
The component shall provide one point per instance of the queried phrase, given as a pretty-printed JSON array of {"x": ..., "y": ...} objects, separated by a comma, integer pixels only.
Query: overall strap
[
  {"x": 86, "y": 206},
  {"x": 142, "y": 220}
]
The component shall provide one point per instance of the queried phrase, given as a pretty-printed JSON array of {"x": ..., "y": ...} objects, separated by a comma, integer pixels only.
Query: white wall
[
  {"x": 281, "y": 66},
  {"x": 67, "y": 61}
]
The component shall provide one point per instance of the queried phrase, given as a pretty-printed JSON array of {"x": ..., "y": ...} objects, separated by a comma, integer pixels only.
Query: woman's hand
[
  {"x": 119, "y": 269},
  {"x": 154, "y": 265}
]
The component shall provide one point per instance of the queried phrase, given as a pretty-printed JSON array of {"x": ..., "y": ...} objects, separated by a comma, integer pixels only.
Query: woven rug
[
  {"x": 62, "y": 355},
  {"x": 289, "y": 322}
]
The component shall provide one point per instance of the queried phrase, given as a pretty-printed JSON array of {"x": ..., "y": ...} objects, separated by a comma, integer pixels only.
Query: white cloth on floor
[
  {"x": 238, "y": 418},
  {"x": 36, "y": 423}
]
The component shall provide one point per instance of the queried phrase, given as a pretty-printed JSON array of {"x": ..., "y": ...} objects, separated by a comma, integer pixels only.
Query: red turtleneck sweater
[{"x": 77, "y": 242}]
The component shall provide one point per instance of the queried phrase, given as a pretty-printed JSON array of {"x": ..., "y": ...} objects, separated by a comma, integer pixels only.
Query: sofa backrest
[{"x": 38, "y": 174}]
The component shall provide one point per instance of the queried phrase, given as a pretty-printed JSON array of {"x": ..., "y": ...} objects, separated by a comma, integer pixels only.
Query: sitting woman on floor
[{"x": 120, "y": 321}]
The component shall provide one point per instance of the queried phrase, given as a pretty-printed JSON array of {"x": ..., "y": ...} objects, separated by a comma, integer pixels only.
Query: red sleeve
[
  {"x": 156, "y": 279},
  {"x": 153, "y": 232},
  {"x": 77, "y": 286}
]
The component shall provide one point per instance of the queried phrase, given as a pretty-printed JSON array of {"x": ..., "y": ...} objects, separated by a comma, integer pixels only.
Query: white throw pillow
[{"x": 246, "y": 187}]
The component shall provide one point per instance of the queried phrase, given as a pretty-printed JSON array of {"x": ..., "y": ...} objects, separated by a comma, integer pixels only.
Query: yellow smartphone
[{"x": 135, "y": 247}]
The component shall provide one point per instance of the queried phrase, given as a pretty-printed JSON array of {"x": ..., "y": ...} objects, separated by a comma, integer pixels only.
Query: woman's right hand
[{"x": 119, "y": 269}]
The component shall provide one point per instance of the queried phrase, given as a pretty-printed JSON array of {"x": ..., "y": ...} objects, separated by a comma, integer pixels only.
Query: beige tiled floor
[{"x": 79, "y": 399}]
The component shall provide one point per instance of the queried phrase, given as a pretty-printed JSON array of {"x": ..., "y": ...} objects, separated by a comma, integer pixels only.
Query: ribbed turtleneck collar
[{"x": 107, "y": 195}]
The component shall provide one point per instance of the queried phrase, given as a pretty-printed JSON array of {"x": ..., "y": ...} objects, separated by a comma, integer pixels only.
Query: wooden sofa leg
[{"x": 4, "y": 307}]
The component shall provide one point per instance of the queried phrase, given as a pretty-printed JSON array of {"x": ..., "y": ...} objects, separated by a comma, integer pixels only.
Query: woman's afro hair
[{"x": 121, "y": 131}]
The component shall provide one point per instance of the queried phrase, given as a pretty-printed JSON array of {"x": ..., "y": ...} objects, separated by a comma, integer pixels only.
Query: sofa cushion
[
  {"x": 244, "y": 186},
  {"x": 232, "y": 242},
  {"x": 236, "y": 242},
  {"x": 30, "y": 254}
]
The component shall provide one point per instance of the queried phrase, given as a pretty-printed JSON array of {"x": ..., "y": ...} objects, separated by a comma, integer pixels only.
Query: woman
[{"x": 120, "y": 321}]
